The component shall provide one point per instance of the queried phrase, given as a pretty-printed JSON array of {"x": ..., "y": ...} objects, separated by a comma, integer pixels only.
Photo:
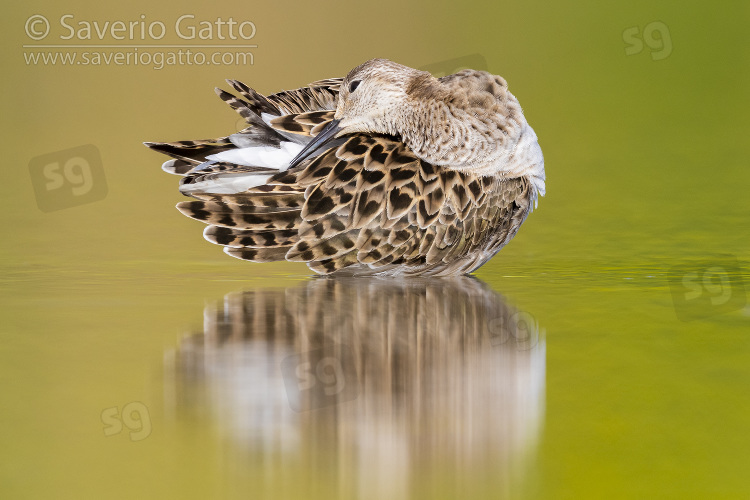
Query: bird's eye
[{"x": 353, "y": 86}]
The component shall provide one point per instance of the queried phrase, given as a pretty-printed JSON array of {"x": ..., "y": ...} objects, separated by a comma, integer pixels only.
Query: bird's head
[{"x": 373, "y": 98}]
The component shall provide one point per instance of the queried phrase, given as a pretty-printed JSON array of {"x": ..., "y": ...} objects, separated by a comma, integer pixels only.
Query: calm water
[
  {"x": 366, "y": 389},
  {"x": 575, "y": 382},
  {"x": 604, "y": 353}
]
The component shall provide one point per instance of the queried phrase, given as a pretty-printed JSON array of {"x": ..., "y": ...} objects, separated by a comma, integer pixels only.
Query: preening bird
[{"x": 388, "y": 171}]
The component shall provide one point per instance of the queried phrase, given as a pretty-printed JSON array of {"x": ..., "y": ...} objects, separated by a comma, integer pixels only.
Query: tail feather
[
  {"x": 257, "y": 137},
  {"x": 239, "y": 182},
  {"x": 258, "y": 200},
  {"x": 194, "y": 152},
  {"x": 222, "y": 183},
  {"x": 243, "y": 108},
  {"x": 233, "y": 216},
  {"x": 259, "y": 133},
  {"x": 258, "y": 102},
  {"x": 317, "y": 98},
  {"x": 178, "y": 167},
  {"x": 241, "y": 238}
]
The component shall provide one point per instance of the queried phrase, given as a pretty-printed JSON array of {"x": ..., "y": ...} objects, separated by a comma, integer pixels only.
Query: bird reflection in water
[{"x": 369, "y": 388}]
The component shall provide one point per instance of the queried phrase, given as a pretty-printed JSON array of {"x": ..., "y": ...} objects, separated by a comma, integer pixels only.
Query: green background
[{"x": 647, "y": 175}]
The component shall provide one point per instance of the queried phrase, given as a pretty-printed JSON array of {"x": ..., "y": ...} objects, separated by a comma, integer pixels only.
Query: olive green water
[{"x": 603, "y": 354}]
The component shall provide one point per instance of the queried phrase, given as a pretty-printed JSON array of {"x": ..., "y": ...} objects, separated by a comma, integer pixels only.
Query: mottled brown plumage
[{"x": 401, "y": 173}]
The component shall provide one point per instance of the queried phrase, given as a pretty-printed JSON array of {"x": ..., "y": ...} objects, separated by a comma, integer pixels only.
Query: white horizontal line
[{"x": 139, "y": 46}]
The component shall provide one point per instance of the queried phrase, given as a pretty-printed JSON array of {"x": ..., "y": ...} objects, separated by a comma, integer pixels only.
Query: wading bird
[{"x": 388, "y": 171}]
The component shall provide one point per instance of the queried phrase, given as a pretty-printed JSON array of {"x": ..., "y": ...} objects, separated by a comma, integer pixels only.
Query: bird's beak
[{"x": 325, "y": 135}]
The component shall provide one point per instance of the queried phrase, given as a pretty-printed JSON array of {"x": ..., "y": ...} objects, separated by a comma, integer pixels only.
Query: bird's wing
[
  {"x": 258, "y": 111},
  {"x": 370, "y": 202},
  {"x": 367, "y": 201},
  {"x": 318, "y": 96}
]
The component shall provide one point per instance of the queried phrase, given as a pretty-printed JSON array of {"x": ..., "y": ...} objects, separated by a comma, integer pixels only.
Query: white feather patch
[
  {"x": 168, "y": 166},
  {"x": 226, "y": 184},
  {"x": 267, "y": 117},
  {"x": 261, "y": 156}
]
